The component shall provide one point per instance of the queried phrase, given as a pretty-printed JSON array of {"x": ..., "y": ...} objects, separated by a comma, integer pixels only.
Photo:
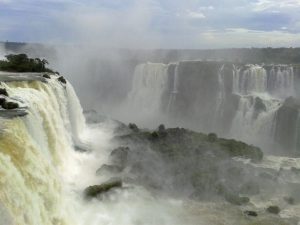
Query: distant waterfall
[
  {"x": 149, "y": 83},
  {"x": 251, "y": 80},
  {"x": 238, "y": 101},
  {"x": 174, "y": 90},
  {"x": 34, "y": 150},
  {"x": 254, "y": 118},
  {"x": 220, "y": 98},
  {"x": 279, "y": 81},
  {"x": 297, "y": 135}
]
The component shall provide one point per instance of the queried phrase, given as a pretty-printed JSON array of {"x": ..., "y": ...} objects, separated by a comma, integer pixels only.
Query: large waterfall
[
  {"x": 241, "y": 101},
  {"x": 34, "y": 152}
]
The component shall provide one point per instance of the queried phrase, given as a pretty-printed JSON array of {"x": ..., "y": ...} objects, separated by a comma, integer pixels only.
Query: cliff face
[{"x": 233, "y": 100}]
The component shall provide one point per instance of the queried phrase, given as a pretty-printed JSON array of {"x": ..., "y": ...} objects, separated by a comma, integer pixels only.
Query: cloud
[
  {"x": 147, "y": 23},
  {"x": 195, "y": 15},
  {"x": 263, "y": 5}
]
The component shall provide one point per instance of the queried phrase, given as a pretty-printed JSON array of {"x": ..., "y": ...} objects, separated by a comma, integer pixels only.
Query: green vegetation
[
  {"x": 95, "y": 190},
  {"x": 21, "y": 63}
]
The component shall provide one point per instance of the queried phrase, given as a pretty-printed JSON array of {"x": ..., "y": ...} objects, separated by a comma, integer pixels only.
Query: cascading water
[
  {"x": 281, "y": 81},
  {"x": 220, "y": 98},
  {"x": 32, "y": 151},
  {"x": 174, "y": 90},
  {"x": 144, "y": 101},
  {"x": 261, "y": 95},
  {"x": 149, "y": 82},
  {"x": 251, "y": 80},
  {"x": 297, "y": 135}
]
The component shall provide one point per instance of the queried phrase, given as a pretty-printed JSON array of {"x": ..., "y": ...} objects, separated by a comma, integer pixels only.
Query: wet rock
[
  {"x": 133, "y": 127},
  {"x": 10, "y": 105},
  {"x": 273, "y": 209},
  {"x": 235, "y": 199},
  {"x": 62, "y": 80},
  {"x": 2, "y": 100},
  {"x": 95, "y": 190},
  {"x": 109, "y": 169},
  {"x": 289, "y": 200},
  {"x": 259, "y": 105},
  {"x": 119, "y": 156},
  {"x": 3, "y": 92},
  {"x": 46, "y": 76},
  {"x": 285, "y": 126},
  {"x": 161, "y": 128},
  {"x": 251, "y": 213}
]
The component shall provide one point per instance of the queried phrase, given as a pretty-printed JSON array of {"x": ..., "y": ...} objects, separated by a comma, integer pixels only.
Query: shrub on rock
[{"x": 95, "y": 190}]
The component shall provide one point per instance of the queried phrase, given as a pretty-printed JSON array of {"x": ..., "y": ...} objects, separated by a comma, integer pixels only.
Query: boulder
[
  {"x": 46, "y": 76},
  {"x": 95, "y": 190},
  {"x": 133, "y": 127},
  {"x": 250, "y": 213},
  {"x": 119, "y": 156},
  {"x": 62, "y": 80},
  {"x": 259, "y": 105},
  {"x": 10, "y": 105},
  {"x": 2, "y": 100},
  {"x": 161, "y": 128},
  {"x": 274, "y": 209},
  {"x": 235, "y": 199},
  {"x": 3, "y": 92}
]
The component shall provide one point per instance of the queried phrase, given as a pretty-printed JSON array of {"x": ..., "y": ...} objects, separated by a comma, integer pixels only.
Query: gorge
[
  {"x": 255, "y": 103},
  {"x": 60, "y": 166}
]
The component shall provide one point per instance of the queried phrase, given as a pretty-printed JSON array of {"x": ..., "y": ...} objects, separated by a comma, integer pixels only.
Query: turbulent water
[
  {"x": 42, "y": 177},
  {"x": 240, "y": 101}
]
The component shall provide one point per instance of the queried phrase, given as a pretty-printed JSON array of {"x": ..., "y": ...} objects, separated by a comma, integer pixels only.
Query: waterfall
[
  {"x": 253, "y": 79},
  {"x": 281, "y": 81},
  {"x": 209, "y": 97},
  {"x": 220, "y": 98},
  {"x": 297, "y": 134},
  {"x": 35, "y": 149},
  {"x": 174, "y": 90},
  {"x": 254, "y": 118},
  {"x": 144, "y": 101}
]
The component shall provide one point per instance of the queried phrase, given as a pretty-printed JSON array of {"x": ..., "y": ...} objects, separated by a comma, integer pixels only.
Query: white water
[
  {"x": 144, "y": 101},
  {"x": 148, "y": 85},
  {"x": 255, "y": 79},
  {"x": 33, "y": 151},
  {"x": 247, "y": 125},
  {"x": 174, "y": 90},
  {"x": 272, "y": 88}
]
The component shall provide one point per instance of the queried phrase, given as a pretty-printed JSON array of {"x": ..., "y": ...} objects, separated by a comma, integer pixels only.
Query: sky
[{"x": 153, "y": 23}]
